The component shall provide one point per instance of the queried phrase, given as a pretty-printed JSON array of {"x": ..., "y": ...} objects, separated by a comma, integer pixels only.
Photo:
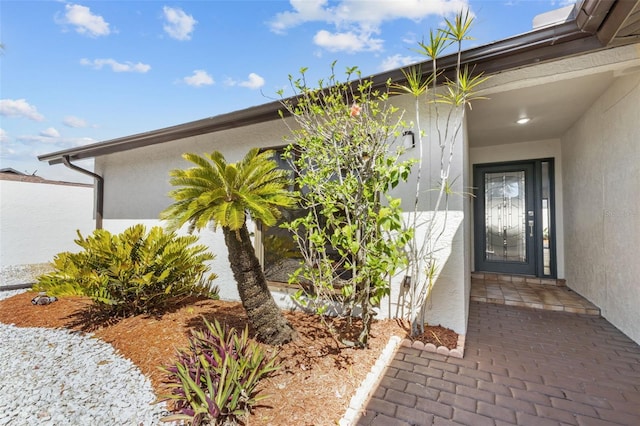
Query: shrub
[
  {"x": 131, "y": 273},
  {"x": 344, "y": 158},
  {"x": 214, "y": 381}
]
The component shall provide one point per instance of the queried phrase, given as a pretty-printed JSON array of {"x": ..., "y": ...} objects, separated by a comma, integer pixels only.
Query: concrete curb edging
[
  {"x": 458, "y": 352},
  {"x": 369, "y": 384},
  {"x": 21, "y": 286}
]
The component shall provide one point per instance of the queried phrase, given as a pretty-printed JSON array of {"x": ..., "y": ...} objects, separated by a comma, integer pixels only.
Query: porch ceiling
[
  {"x": 553, "y": 95},
  {"x": 552, "y": 108}
]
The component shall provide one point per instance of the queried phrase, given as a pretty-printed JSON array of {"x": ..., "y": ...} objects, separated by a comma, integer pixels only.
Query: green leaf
[{"x": 135, "y": 272}]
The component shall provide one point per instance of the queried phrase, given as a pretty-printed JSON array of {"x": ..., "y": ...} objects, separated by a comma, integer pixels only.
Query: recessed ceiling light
[{"x": 523, "y": 120}]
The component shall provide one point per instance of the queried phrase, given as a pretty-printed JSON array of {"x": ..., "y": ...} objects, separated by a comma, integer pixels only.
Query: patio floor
[
  {"x": 529, "y": 292},
  {"x": 521, "y": 366}
]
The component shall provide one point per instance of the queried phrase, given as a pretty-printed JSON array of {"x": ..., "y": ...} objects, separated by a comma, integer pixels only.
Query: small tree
[
  {"x": 351, "y": 237},
  {"x": 455, "y": 95},
  {"x": 223, "y": 194}
]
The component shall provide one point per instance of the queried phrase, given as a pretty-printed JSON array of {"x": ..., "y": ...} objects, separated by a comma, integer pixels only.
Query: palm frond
[{"x": 224, "y": 193}]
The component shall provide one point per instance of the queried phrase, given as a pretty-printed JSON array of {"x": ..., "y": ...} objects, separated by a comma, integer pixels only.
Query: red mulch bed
[{"x": 317, "y": 379}]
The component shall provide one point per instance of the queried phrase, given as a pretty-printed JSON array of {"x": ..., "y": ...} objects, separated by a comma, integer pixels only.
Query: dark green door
[{"x": 505, "y": 222}]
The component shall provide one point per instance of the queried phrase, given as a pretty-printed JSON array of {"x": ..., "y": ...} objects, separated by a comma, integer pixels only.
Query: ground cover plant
[
  {"x": 135, "y": 272},
  {"x": 214, "y": 380}
]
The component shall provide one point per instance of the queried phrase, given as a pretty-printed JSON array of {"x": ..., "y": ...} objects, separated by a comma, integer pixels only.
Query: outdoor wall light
[
  {"x": 408, "y": 139},
  {"x": 523, "y": 120},
  {"x": 406, "y": 281}
]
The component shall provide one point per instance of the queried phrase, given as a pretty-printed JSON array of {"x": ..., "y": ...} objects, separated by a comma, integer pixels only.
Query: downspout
[{"x": 99, "y": 188}]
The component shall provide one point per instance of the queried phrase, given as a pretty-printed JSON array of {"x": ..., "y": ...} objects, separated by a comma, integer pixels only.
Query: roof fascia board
[
  {"x": 619, "y": 13},
  {"x": 483, "y": 57},
  {"x": 252, "y": 115},
  {"x": 592, "y": 13}
]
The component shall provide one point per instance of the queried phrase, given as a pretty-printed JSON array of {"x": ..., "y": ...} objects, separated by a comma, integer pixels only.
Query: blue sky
[{"x": 73, "y": 73}]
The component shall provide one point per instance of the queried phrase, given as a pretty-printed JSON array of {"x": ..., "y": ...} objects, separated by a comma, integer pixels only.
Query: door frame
[{"x": 537, "y": 249}]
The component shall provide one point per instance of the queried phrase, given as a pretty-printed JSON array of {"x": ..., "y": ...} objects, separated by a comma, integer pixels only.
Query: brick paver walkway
[{"x": 521, "y": 366}]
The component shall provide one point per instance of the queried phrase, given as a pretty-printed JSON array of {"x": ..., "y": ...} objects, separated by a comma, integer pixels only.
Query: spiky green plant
[
  {"x": 214, "y": 381},
  {"x": 131, "y": 273}
]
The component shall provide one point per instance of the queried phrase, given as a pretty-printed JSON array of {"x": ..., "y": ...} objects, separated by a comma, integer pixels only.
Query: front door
[{"x": 505, "y": 218}]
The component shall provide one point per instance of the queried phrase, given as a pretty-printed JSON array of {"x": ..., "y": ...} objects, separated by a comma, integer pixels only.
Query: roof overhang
[{"x": 598, "y": 24}]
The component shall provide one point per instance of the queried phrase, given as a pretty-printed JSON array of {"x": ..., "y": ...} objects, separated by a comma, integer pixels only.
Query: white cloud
[
  {"x": 303, "y": 11},
  {"x": 350, "y": 42},
  {"x": 199, "y": 78},
  {"x": 75, "y": 122},
  {"x": 397, "y": 61},
  {"x": 59, "y": 142},
  {"x": 353, "y": 22},
  {"x": 179, "y": 25},
  {"x": 254, "y": 81},
  {"x": 50, "y": 132},
  {"x": 563, "y": 3},
  {"x": 19, "y": 108},
  {"x": 116, "y": 66},
  {"x": 85, "y": 21},
  {"x": 4, "y": 137}
]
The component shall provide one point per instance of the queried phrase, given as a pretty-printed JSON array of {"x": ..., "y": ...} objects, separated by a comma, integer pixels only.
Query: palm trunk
[{"x": 264, "y": 315}]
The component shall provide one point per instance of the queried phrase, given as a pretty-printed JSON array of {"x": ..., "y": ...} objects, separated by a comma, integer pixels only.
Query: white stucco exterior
[
  {"x": 136, "y": 188},
  {"x": 601, "y": 167},
  {"x": 137, "y": 184},
  {"x": 39, "y": 220},
  {"x": 596, "y": 176}
]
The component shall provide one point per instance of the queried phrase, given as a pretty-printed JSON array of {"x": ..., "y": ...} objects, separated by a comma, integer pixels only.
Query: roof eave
[{"x": 230, "y": 120}]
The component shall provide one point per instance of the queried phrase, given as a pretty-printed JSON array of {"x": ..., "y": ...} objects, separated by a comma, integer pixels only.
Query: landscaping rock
[{"x": 59, "y": 377}]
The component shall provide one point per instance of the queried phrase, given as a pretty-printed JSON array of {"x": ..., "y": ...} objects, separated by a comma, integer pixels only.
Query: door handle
[{"x": 531, "y": 228}]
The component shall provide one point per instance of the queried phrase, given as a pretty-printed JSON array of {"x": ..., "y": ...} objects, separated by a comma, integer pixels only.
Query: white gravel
[
  {"x": 58, "y": 377},
  {"x": 5, "y": 294},
  {"x": 22, "y": 274}
]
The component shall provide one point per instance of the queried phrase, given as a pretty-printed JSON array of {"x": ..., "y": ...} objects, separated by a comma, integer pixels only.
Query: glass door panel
[{"x": 505, "y": 219}]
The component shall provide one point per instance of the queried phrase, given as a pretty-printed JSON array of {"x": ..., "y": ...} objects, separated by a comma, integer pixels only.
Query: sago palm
[{"x": 216, "y": 192}]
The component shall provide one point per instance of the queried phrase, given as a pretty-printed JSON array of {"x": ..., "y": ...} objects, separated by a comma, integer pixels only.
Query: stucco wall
[
  {"x": 601, "y": 166},
  {"x": 137, "y": 184},
  {"x": 136, "y": 188},
  {"x": 549, "y": 148},
  {"x": 448, "y": 302},
  {"x": 39, "y": 220}
]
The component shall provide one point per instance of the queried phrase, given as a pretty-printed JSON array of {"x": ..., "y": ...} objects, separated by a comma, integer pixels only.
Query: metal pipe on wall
[{"x": 99, "y": 188}]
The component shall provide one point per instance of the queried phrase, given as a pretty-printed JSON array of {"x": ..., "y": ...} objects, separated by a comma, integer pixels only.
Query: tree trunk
[{"x": 264, "y": 315}]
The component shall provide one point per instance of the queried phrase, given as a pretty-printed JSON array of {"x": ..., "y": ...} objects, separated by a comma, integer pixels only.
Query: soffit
[
  {"x": 552, "y": 107},
  {"x": 553, "y": 95}
]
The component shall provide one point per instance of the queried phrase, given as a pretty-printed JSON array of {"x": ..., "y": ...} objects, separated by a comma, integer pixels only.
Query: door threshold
[{"x": 511, "y": 278}]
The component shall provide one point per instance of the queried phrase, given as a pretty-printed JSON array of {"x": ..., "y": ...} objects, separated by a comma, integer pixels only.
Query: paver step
[{"x": 488, "y": 289}]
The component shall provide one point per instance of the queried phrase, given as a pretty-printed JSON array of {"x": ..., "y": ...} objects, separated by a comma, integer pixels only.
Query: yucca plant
[
  {"x": 131, "y": 273},
  {"x": 214, "y": 380}
]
